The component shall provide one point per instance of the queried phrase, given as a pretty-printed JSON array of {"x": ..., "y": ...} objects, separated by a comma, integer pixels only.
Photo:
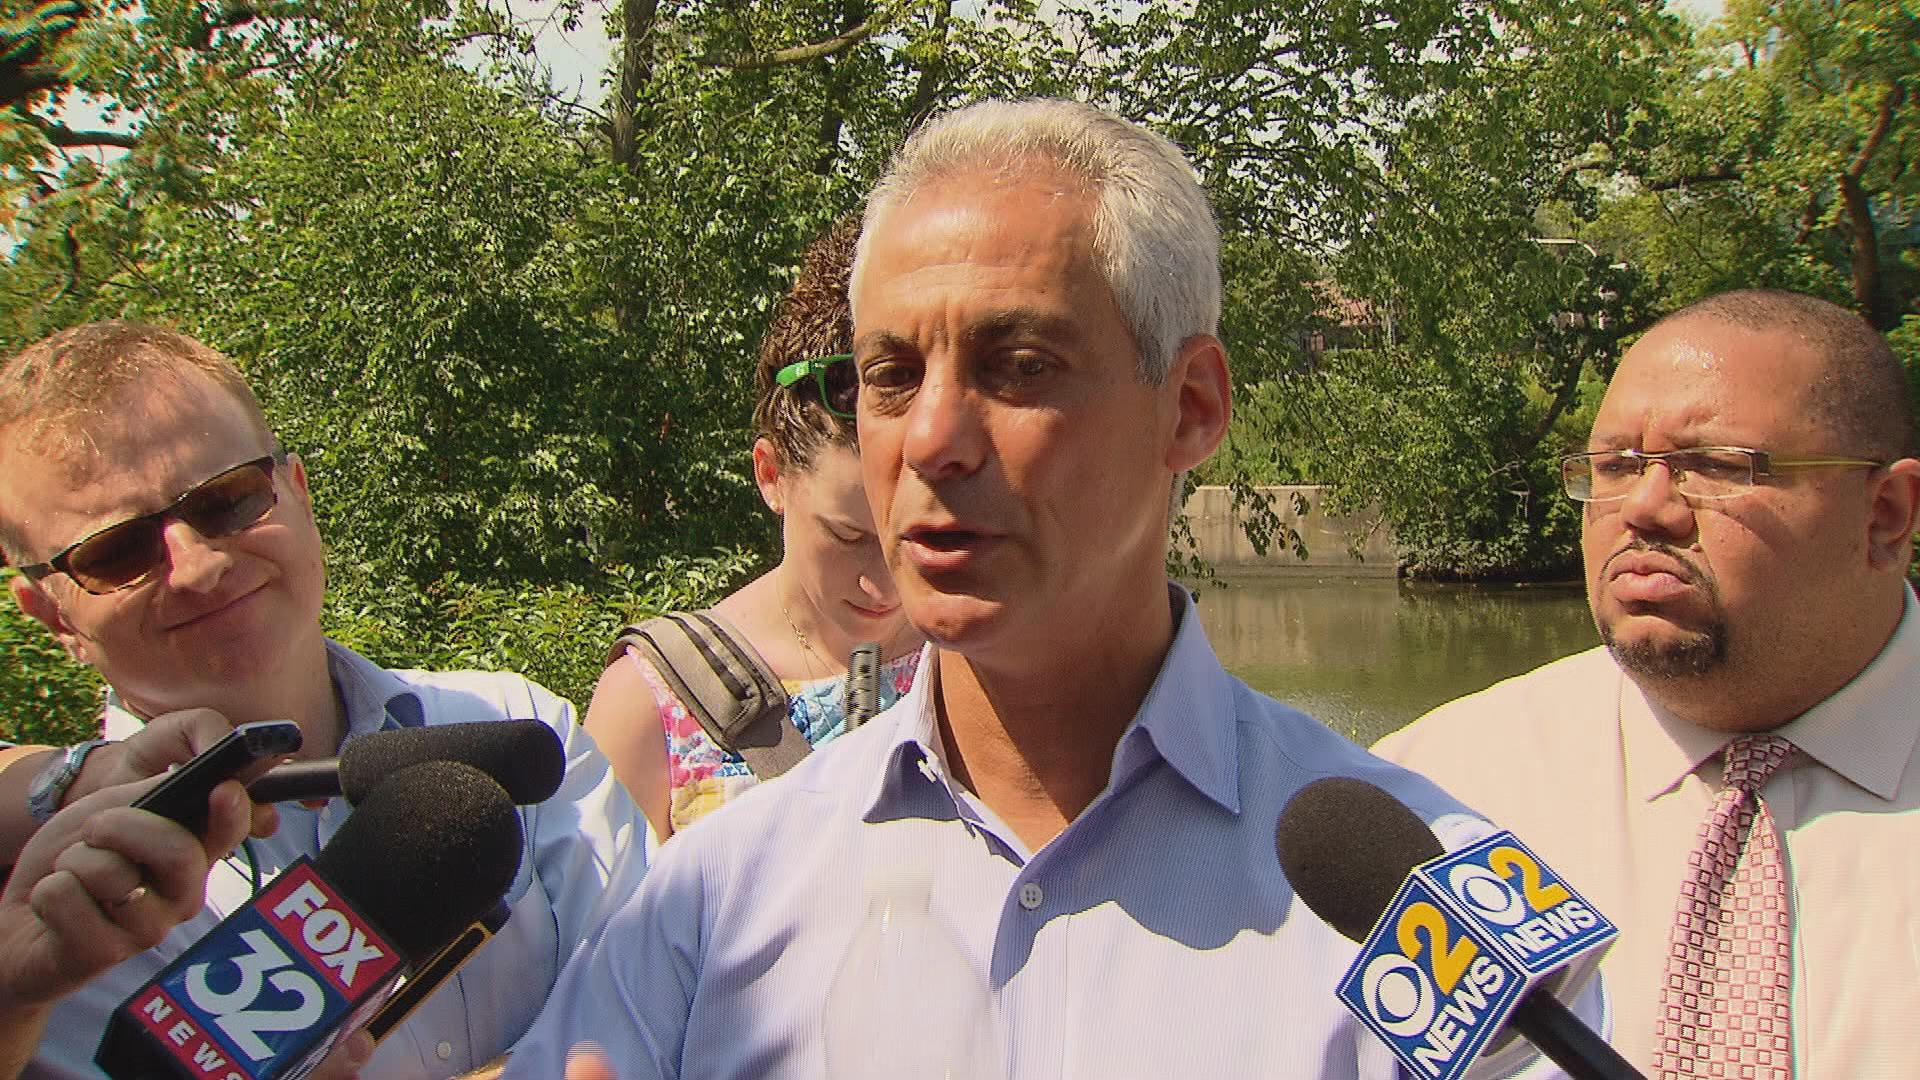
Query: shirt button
[
  {"x": 1032, "y": 895},
  {"x": 445, "y": 1050}
]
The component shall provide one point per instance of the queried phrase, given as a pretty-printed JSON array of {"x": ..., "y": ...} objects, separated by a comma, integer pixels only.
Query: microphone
[
  {"x": 438, "y": 968},
  {"x": 522, "y": 756},
  {"x": 264, "y": 994},
  {"x": 863, "y": 684},
  {"x": 1452, "y": 949}
]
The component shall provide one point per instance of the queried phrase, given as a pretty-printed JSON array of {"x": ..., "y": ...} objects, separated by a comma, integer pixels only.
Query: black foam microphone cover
[
  {"x": 523, "y": 756},
  {"x": 1346, "y": 847},
  {"x": 426, "y": 853}
]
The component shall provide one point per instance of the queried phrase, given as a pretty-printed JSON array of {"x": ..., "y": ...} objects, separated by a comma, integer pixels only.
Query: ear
[
  {"x": 41, "y": 607},
  {"x": 297, "y": 476},
  {"x": 1203, "y": 390},
  {"x": 766, "y": 474},
  {"x": 1895, "y": 499}
]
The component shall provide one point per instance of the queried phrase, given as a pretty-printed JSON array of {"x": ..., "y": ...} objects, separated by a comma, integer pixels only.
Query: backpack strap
[{"x": 724, "y": 683}]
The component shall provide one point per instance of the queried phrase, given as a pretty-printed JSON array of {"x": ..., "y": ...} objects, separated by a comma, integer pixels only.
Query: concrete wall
[{"x": 1331, "y": 541}]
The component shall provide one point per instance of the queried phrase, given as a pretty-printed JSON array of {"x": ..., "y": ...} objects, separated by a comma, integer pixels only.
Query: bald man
[{"x": 1731, "y": 777}]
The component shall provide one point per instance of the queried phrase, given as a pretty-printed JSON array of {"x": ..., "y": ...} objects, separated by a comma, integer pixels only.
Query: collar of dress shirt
[
  {"x": 1187, "y": 720},
  {"x": 376, "y": 698},
  {"x": 1865, "y": 732}
]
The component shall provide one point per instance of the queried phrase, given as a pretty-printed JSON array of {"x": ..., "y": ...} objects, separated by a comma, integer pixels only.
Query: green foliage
[
  {"x": 554, "y": 634},
  {"x": 44, "y": 697},
  {"x": 401, "y": 271},
  {"x": 512, "y": 336}
]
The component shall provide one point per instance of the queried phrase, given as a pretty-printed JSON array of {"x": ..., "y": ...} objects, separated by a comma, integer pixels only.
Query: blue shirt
[
  {"x": 1155, "y": 937},
  {"x": 584, "y": 853}
]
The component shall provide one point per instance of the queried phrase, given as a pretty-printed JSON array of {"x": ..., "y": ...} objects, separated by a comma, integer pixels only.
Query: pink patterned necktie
[{"x": 1724, "y": 1006}]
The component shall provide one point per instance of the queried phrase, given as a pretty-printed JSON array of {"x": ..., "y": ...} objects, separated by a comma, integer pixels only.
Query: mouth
[
  {"x": 873, "y": 613},
  {"x": 946, "y": 546},
  {"x": 206, "y": 613},
  {"x": 943, "y": 539},
  {"x": 1640, "y": 576}
]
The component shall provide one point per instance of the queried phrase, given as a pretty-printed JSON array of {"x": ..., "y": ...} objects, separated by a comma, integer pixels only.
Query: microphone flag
[
  {"x": 1467, "y": 935},
  {"x": 266, "y": 988}
]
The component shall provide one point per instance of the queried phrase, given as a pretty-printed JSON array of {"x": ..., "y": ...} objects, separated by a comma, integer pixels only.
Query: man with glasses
[
  {"x": 167, "y": 541},
  {"x": 1732, "y": 777}
]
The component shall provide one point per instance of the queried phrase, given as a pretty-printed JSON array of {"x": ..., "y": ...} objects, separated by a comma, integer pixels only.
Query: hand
[
  {"x": 102, "y": 882},
  {"x": 165, "y": 741},
  {"x": 589, "y": 1062},
  {"x": 346, "y": 1059}
]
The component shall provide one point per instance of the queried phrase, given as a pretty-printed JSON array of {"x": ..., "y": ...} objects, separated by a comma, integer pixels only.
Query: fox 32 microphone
[
  {"x": 425, "y": 856},
  {"x": 1456, "y": 946}
]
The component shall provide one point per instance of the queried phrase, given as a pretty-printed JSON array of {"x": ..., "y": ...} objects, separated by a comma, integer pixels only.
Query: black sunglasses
[
  {"x": 123, "y": 555},
  {"x": 836, "y": 376}
]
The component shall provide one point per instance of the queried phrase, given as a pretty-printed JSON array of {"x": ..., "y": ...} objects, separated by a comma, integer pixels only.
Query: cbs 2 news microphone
[
  {"x": 421, "y": 863},
  {"x": 1468, "y": 935}
]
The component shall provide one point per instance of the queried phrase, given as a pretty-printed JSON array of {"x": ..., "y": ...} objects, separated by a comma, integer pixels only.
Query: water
[{"x": 1367, "y": 656}]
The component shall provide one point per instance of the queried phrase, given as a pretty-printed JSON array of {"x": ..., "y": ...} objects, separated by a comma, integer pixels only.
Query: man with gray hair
[
  {"x": 1733, "y": 776},
  {"x": 1054, "y": 856}
]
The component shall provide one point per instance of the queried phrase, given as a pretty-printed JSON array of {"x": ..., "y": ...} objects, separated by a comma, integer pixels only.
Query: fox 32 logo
[{"x": 1466, "y": 936}]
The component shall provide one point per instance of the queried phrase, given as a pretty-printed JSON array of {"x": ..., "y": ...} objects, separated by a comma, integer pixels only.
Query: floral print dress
[{"x": 702, "y": 777}]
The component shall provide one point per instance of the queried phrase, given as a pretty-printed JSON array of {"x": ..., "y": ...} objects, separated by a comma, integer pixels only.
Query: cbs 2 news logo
[{"x": 1467, "y": 934}]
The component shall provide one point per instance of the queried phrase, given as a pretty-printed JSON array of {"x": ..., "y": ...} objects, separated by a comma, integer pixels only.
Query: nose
[
  {"x": 876, "y": 584},
  {"x": 194, "y": 563},
  {"x": 1654, "y": 505},
  {"x": 945, "y": 434}
]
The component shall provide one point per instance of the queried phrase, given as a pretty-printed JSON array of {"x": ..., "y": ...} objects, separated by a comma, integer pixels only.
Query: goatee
[{"x": 1696, "y": 654}]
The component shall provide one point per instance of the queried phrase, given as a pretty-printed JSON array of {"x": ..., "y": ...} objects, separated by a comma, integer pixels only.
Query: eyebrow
[
  {"x": 1022, "y": 322},
  {"x": 996, "y": 327},
  {"x": 883, "y": 341}
]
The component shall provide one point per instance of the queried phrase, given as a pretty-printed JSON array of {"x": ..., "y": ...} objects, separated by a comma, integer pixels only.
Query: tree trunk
[
  {"x": 1864, "y": 256},
  {"x": 833, "y": 113},
  {"x": 636, "y": 68},
  {"x": 932, "y": 75}
]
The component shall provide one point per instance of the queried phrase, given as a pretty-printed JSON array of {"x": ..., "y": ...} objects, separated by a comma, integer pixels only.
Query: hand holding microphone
[
  {"x": 98, "y": 883},
  {"x": 1454, "y": 945},
  {"x": 101, "y": 882},
  {"x": 428, "y": 852}
]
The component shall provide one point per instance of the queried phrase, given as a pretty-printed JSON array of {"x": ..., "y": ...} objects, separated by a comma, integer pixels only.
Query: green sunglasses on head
[{"x": 835, "y": 376}]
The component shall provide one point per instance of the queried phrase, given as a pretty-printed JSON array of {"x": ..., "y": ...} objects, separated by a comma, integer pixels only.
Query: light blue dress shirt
[
  {"x": 585, "y": 851},
  {"x": 1155, "y": 937}
]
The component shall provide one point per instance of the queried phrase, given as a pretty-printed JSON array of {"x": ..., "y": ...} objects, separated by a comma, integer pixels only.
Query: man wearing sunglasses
[
  {"x": 166, "y": 540},
  {"x": 1733, "y": 776}
]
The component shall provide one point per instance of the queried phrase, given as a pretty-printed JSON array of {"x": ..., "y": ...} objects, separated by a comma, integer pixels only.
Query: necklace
[{"x": 808, "y": 649}]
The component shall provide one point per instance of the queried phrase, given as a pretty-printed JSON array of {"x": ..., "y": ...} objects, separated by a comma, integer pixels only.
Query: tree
[{"x": 1784, "y": 157}]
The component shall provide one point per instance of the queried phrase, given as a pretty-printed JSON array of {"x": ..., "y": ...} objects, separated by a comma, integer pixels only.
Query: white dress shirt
[
  {"x": 1611, "y": 791},
  {"x": 584, "y": 853},
  {"x": 1155, "y": 937}
]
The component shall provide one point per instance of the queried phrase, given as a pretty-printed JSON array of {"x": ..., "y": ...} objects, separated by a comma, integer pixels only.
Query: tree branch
[
  {"x": 1719, "y": 174},
  {"x": 1891, "y": 100},
  {"x": 63, "y": 136},
  {"x": 233, "y": 13},
  {"x": 1809, "y": 218},
  {"x": 794, "y": 54}
]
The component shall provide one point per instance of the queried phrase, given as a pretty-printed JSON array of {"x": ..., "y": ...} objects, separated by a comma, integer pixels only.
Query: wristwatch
[{"x": 49, "y": 789}]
